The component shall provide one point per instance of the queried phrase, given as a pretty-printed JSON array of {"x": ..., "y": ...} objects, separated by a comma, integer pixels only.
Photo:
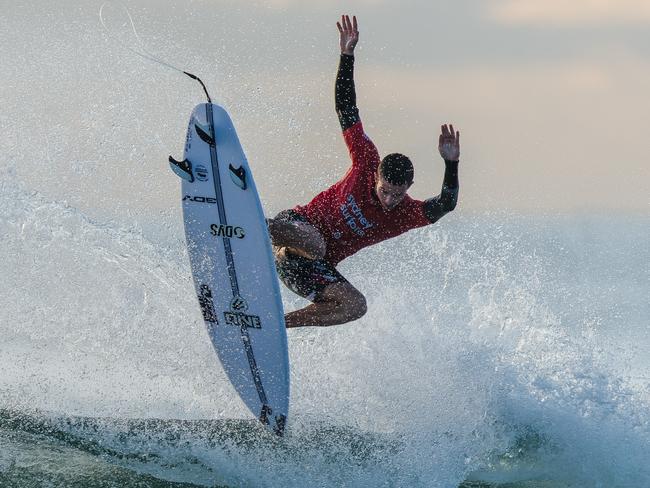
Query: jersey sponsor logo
[
  {"x": 227, "y": 231},
  {"x": 242, "y": 320},
  {"x": 198, "y": 199},
  {"x": 238, "y": 176},
  {"x": 354, "y": 217},
  {"x": 207, "y": 304},
  {"x": 201, "y": 173}
]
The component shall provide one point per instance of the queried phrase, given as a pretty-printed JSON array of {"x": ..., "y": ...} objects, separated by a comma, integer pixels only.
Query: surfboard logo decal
[
  {"x": 199, "y": 199},
  {"x": 220, "y": 230},
  {"x": 204, "y": 133},
  {"x": 242, "y": 320},
  {"x": 201, "y": 173},
  {"x": 238, "y": 304},
  {"x": 238, "y": 176},
  {"x": 207, "y": 304}
]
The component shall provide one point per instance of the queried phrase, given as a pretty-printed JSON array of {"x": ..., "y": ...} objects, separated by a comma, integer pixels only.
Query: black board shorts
[{"x": 305, "y": 277}]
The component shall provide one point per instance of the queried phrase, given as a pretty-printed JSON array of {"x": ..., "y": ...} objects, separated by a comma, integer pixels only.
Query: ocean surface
[
  {"x": 500, "y": 350},
  {"x": 497, "y": 352}
]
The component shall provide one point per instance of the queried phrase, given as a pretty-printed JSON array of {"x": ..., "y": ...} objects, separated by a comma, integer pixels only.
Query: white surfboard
[{"x": 232, "y": 264}]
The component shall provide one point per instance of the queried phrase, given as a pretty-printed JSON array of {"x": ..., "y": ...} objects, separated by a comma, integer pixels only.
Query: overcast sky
[{"x": 551, "y": 96}]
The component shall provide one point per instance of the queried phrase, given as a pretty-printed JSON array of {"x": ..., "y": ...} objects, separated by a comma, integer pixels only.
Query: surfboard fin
[
  {"x": 182, "y": 168},
  {"x": 238, "y": 176},
  {"x": 204, "y": 134}
]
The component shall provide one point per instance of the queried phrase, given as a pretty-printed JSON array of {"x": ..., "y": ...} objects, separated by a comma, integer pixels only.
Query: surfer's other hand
[
  {"x": 449, "y": 143},
  {"x": 349, "y": 34}
]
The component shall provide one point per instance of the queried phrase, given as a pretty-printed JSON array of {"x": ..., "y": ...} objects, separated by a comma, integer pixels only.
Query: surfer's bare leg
[
  {"x": 338, "y": 303},
  {"x": 301, "y": 238}
]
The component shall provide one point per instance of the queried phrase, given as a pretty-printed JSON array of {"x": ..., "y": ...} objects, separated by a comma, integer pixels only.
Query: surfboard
[{"x": 232, "y": 264}]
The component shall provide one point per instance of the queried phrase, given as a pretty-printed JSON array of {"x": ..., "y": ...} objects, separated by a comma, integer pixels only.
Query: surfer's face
[{"x": 388, "y": 194}]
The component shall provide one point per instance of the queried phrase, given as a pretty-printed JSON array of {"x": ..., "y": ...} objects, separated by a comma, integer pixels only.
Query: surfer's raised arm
[
  {"x": 449, "y": 148},
  {"x": 345, "y": 95}
]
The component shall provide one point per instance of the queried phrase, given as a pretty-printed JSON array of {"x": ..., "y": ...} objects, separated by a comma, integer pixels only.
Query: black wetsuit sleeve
[
  {"x": 344, "y": 93},
  {"x": 436, "y": 207}
]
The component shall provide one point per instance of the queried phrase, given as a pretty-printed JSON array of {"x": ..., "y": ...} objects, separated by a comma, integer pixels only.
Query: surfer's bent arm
[
  {"x": 436, "y": 207},
  {"x": 345, "y": 94},
  {"x": 449, "y": 147}
]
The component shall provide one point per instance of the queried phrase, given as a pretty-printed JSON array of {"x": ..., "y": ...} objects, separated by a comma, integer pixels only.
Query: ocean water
[{"x": 499, "y": 350}]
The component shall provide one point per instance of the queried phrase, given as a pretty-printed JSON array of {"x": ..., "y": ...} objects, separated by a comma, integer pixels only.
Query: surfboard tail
[{"x": 277, "y": 423}]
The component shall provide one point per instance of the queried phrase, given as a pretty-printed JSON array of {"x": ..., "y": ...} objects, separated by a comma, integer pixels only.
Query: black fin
[
  {"x": 182, "y": 168},
  {"x": 238, "y": 176},
  {"x": 205, "y": 137}
]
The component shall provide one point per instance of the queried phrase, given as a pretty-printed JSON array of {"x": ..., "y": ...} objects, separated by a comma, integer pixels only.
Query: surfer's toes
[{"x": 279, "y": 252}]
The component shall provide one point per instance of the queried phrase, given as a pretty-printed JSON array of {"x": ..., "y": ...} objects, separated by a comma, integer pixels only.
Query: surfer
[{"x": 368, "y": 205}]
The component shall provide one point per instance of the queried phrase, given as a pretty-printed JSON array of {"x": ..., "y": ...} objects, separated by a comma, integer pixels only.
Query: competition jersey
[{"x": 349, "y": 215}]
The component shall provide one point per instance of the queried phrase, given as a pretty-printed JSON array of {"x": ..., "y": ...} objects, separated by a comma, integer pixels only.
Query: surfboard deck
[{"x": 232, "y": 264}]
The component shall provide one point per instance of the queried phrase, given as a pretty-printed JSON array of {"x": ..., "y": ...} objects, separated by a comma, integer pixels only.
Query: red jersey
[{"x": 349, "y": 215}]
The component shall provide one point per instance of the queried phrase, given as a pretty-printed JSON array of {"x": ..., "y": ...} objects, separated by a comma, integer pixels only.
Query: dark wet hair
[{"x": 396, "y": 169}]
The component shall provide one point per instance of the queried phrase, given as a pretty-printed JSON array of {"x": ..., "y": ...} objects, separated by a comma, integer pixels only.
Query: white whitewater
[{"x": 472, "y": 346}]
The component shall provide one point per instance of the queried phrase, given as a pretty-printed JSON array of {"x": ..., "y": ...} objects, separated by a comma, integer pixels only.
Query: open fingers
[
  {"x": 448, "y": 132},
  {"x": 346, "y": 25}
]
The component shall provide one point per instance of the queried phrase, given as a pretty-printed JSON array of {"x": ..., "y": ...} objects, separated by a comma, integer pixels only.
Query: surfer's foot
[{"x": 279, "y": 252}]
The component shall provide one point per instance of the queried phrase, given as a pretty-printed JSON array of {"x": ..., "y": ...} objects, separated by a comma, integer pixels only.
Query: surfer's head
[{"x": 394, "y": 178}]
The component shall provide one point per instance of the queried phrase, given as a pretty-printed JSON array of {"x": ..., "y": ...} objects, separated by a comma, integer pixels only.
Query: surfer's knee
[
  {"x": 350, "y": 302},
  {"x": 310, "y": 241},
  {"x": 316, "y": 246},
  {"x": 301, "y": 237},
  {"x": 272, "y": 226},
  {"x": 355, "y": 304},
  {"x": 358, "y": 306}
]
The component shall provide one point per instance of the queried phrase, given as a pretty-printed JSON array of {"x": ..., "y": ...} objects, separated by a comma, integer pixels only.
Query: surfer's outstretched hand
[
  {"x": 449, "y": 143},
  {"x": 349, "y": 34}
]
